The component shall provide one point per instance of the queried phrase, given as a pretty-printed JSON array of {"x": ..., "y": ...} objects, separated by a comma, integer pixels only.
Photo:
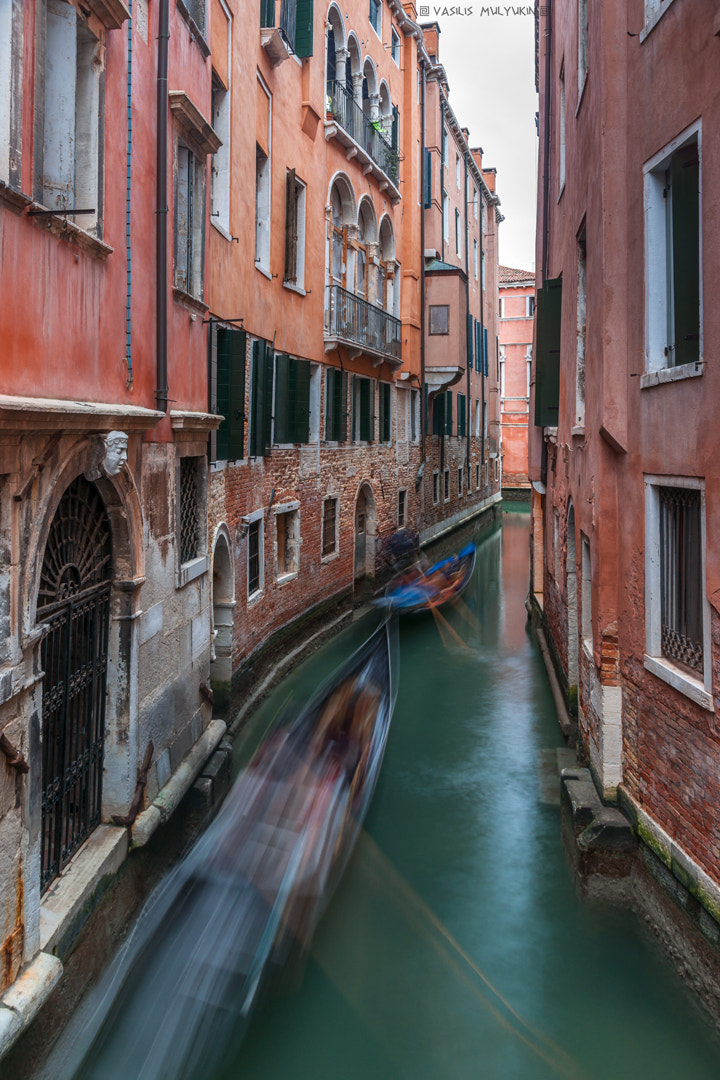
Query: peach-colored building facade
[
  {"x": 624, "y": 445},
  {"x": 516, "y": 291}
]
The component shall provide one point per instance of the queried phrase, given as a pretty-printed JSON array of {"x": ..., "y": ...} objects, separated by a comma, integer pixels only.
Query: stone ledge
[
  {"x": 24, "y": 999},
  {"x": 102, "y": 853}
]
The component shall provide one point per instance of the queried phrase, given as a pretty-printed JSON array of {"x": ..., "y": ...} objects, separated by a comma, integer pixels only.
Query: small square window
[
  {"x": 329, "y": 527},
  {"x": 439, "y": 318}
]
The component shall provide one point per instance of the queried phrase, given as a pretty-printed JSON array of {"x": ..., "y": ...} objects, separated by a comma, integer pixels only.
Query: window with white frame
[
  {"x": 458, "y": 170},
  {"x": 673, "y": 288},
  {"x": 529, "y": 306},
  {"x": 415, "y": 415},
  {"x": 287, "y": 540},
  {"x": 460, "y": 480},
  {"x": 375, "y": 16},
  {"x": 11, "y": 42},
  {"x": 262, "y": 209},
  {"x": 445, "y": 217},
  {"x": 677, "y": 619},
  {"x": 402, "y": 508},
  {"x": 395, "y": 45},
  {"x": 561, "y": 132},
  {"x": 196, "y": 10},
  {"x": 475, "y": 203},
  {"x": 458, "y": 233},
  {"x": 294, "y": 230},
  {"x": 654, "y": 10},
  {"x": 581, "y": 320},
  {"x": 436, "y": 488},
  {"x": 445, "y": 149},
  {"x": 446, "y": 485},
  {"x": 475, "y": 258},
  {"x": 329, "y": 538},
  {"x": 69, "y": 142},
  {"x": 586, "y": 594},
  {"x": 189, "y": 220},
  {"x": 220, "y": 167}
]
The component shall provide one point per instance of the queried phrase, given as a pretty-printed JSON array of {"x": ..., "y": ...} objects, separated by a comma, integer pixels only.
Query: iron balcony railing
[
  {"x": 356, "y": 320},
  {"x": 366, "y": 134},
  {"x": 286, "y": 26}
]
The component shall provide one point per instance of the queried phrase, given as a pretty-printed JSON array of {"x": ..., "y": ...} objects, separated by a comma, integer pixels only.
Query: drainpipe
[
  {"x": 468, "y": 324},
  {"x": 442, "y": 180},
  {"x": 423, "y": 389},
  {"x": 546, "y": 148},
  {"x": 161, "y": 394},
  {"x": 482, "y": 340},
  {"x": 128, "y": 252}
]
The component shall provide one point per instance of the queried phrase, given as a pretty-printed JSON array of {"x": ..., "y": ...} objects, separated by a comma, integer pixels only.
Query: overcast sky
[{"x": 490, "y": 65}]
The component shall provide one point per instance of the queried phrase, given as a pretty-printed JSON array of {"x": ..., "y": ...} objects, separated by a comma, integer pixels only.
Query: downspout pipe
[
  {"x": 128, "y": 191},
  {"x": 161, "y": 394},
  {"x": 483, "y": 358}
]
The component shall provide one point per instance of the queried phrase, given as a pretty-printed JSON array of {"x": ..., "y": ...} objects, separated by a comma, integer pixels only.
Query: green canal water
[{"x": 456, "y": 945}]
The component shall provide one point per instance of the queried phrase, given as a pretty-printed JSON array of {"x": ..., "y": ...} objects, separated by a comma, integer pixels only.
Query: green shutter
[
  {"x": 385, "y": 413},
  {"x": 684, "y": 185},
  {"x": 469, "y": 341},
  {"x": 231, "y": 392},
  {"x": 304, "y": 28},
  {"x": 302, "y": 402},
  {"x": 283, "y": 433},
  {"x": 448, "y": 413},
  {"x": 428, "y": 178},
  {"x": 261, "y": 403},
  {"x": 336, "y": 405},
  {"x": 548, "y": 310},
  {"x": 461, "y": 414},
  {"x": 485, "y": 352},
  {"x": 478, "y": 348},
  {"x": 365, "y": 395},
  {"x": 439, "y": 414},
  {"x": 395, "y": 131},
  {"x": 267, "y": 13}
]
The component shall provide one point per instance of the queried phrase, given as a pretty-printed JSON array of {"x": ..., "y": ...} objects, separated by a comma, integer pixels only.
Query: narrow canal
[{"x": 456, "y": 945}]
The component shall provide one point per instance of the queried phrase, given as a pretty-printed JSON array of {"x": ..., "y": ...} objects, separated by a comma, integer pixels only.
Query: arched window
[
  {"x": 387, "y": 293},
  {"x": 337, "y": 257},
  {"x": 366, "y": 247}
]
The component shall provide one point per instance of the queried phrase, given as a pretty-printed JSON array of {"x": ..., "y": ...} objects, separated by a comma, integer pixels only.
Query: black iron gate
[{"x": 73, "y": 606}]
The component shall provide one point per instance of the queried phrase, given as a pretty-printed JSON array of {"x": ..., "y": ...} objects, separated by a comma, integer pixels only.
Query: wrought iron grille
[
  {"x": 329, "y": 526},
  {"x": 189, "y": 546},
  {"x": 73, "y": 605},
  {"x": 681, "y": 576},
  {"x": 355, "y": 319},
  {"x": 360, "y": 127},
  {"x": 254, "y": 557}
]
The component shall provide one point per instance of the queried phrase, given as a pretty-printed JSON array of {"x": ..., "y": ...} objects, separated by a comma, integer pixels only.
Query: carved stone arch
[
  {"x": 342, "y": 184},
  {"x": 365, "y": 530},
  {"x": 370, "y": 76},
  {"x": 337, "y": 25},
  {"x": 223, "y": 603},
  {"x": 385, "y": 105},
  {"x": 355, "y": 54},
  {"x": 386, "y": 235},
  {"x": 368, "y": 218}
]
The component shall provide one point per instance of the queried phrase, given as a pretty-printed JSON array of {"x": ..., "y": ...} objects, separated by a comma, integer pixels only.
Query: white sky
[{"x": 490, "y": 65}]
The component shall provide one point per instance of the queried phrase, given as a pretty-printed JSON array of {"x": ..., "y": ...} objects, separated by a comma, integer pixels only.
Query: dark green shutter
[
  {"x": 448, "y": 413},
  {"x": 336, "y": 405},
  {"x": 261, "y": 405},
  {"x": 485, "y": 352},
  {"x": 547, "y": 362},
  {"x": 428, "y": 178},
  {"x": 302, "y": 402},
  {"x": 365, "y": 395},
  {"x": 684, "y": 181},
  {"x": 283, "y": 411},
  {"x": 478, "y": 347},
  {"x": 304, "y": 28},
  {"x": 395, "y": 130},
  {"x": 385, "y": 413},
  {"x": 231, "y": 393},
  {"x": 461, "y": 414},
  {"x": 470, "y": 341},
  {"x": 267, "y": 13},
  {"x": 439, "y": 414}
]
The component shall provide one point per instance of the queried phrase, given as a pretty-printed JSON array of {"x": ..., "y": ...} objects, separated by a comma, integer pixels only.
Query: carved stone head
[{"x": 115, "y": 455}]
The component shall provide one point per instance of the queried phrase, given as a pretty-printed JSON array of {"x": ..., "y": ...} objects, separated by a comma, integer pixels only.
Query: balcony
[
  {"x": 362, "y": 327},
  {"x": 362, "y": 138}
]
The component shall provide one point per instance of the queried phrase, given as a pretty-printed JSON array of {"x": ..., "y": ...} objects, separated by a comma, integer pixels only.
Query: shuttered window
[
  {"x": 682, "y": 186},
  {"x": 261, "y": 399},
  {"x": 230, "y": 382},
  {"x": 385, "y": 409},
  {"x": 681, "y": 582},
  {"x": 461, "y": 422},
  {"x": 292, "y": 400},
  {"x": 335, "y": 405},
  {"x": 442, "y": 414},
  {"x": 363, "y": 412},
  {"x": 547, "y": 364},
  {"x": 470, "y": 341},
  {"x": 427, "y": 179}
]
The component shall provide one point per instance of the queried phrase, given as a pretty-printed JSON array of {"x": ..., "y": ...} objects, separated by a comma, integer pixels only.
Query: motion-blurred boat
[
  {"x": 422, "y": 590},
  {"x": 252, "y": 889}
]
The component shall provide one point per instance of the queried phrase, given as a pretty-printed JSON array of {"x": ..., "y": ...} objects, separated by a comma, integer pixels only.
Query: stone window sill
[
  {"x": 191, "y": 570},
  {"x": 294, "y": 288},
  {"x": 283, "y": 579},
  {"x": 654, "y": 20},
  {"x": 671, "y": 374},
  {"x": 194, "y": 29},
  {"x": 680, "y": 680},
  {"x": 329, "y": 558},
  {"x": 67, "y": 230},
  {"x": 190, "y": 301}
]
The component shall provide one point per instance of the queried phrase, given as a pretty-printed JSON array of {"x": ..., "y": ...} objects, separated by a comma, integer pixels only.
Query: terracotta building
[
  {"x": 461, "y": 219},
  {"x": 516, "y": 289},
  {"x": 624, "y": 447},
  {"x": 104, "y": 579}
]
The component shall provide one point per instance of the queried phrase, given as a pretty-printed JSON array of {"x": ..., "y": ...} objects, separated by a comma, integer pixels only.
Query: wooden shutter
[
  {"x": 385, "y": 413},
  {"x": 448, "y": 413},
  {"x": 461, "y": 414},
  {"x": 267, "y": 13},
  {"x": 469, "y": 341},
  {"x": 231, "y": 392},
  {"x": 439, "y": 414},
  {"x": 395, "y": 131},
  {"x": 261, "y": 395},
  {"x": 301, "y": 419},
  {"x": 304, "y": 28},
  {"x": 478, "y": 347},
  {"x": 547, "y": 362},
  {"x": 291, "y": 227},
  {"x": 336, "y": 405},
  {"x": 485, "y": 351},
  {"x": 427, "y": 179},
  {"x": 684, "y": 185},
  {"x": 283, "y": 407}
]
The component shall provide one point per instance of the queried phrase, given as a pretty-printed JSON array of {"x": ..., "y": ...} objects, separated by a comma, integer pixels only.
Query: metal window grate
[
  {"x": 254, "y": 557},
  {"x": 329, "y": 526},
  {"x": 681, "y": 576},
  {"x": 188, "y": 509}
]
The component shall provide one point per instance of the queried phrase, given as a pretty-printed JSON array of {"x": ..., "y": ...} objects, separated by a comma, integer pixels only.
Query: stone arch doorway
[
  {"x": 365, "y": 528},
  {"x": 73, "y": 606},
  {"x": 223, "y": 602},
  {"x": 572, "y": 608}
]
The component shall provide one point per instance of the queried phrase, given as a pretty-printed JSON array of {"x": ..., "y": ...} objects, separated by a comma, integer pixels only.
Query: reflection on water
[{"x": 456, "y": 946}]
